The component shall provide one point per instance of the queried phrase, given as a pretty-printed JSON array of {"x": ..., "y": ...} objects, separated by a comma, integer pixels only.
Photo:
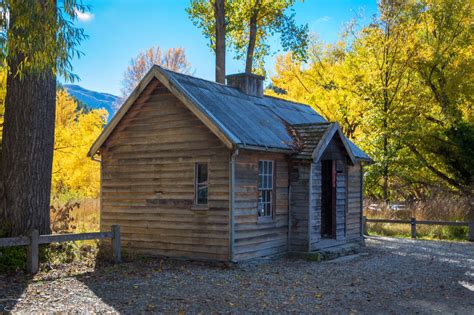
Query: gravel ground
[{"x": 389, "y": 276}]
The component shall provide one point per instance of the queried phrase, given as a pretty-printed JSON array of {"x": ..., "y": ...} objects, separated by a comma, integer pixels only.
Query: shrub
[
  {"x": 12, "y": 259},
  {"x": 61, "y": 217}
]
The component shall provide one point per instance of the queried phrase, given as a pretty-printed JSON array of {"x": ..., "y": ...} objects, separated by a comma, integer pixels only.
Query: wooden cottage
[{"x": 196, "y": 169}]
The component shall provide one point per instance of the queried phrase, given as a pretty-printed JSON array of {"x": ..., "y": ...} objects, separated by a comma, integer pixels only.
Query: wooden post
[
  {"x": 470, "y": 232},
  {"x": 413, "y": 228},
  {"x": 364, "y": 226},
  {"x": 33, "y": 253},
  {"x": 116, "y": 243}
]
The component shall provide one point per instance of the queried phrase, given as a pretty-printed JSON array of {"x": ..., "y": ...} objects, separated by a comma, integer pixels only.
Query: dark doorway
[{"x": 328, "y": 199}]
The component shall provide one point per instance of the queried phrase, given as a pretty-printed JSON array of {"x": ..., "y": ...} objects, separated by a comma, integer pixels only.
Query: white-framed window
[
  {"x": 265, "y": 189},
  {"x": 201, "y": 183}
]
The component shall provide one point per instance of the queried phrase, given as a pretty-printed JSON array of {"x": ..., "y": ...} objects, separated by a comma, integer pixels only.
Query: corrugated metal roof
[{"x": 255, "y": 121}]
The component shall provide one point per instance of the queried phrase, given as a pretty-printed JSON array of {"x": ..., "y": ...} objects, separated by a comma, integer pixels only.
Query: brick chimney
[{"x": 248, "y": 83}]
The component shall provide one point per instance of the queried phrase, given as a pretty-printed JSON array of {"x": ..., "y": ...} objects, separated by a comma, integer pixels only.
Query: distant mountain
[{"x": 93, "y": 99}]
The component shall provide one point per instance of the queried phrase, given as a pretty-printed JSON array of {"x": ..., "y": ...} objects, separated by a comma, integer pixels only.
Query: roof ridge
[
  {"x": 313, "y": 124},
  {"x": 229, "y": 86},
  {"x": 193, "y": 77},
  {"x": 289, "y": 101}
]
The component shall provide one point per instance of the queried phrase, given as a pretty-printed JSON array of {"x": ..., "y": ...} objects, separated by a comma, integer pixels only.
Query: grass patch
[
  {"x": 427, "y": 232},
  {"x": 440, "y": 207}
]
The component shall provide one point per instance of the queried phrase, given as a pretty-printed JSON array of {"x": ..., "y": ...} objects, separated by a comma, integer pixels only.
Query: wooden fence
[
  {"x": 414, "y": 222},
  {"x": 34, "y": 240}
]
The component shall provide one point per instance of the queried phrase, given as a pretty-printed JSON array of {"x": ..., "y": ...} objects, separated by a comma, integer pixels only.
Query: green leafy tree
[
  {"x": 444, "y": 65},
  {"x": 249, "y": 24},
  {"x": 210, "y": 16},
  {"x": 381, "y": 54},
  {"x": 38, "y": 41}
]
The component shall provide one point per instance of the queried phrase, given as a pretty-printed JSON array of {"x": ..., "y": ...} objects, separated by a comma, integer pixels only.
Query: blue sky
[{"x": 120, "y": 29}]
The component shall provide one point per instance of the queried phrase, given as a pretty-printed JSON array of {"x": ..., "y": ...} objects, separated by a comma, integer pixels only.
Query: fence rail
[
  {"x": 414, "y": 222},
  {"x": 34, "y": 240}
]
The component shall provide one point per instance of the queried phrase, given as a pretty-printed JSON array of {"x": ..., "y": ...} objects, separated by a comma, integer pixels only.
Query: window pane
[
  {"x": 202, "y": 173},
  {"x": 260, "y": 207},
  {"x": 201, "y": 183},
  {"x": 202, "y": 195},
  {"x": 265, "y": 185}
]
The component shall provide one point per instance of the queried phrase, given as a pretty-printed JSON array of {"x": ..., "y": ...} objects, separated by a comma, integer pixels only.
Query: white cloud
[
  {"x": 322, "y": 19},
  {"x": 84, "y": 16}
]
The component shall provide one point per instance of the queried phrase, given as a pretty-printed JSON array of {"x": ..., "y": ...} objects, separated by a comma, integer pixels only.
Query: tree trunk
[
  {"x": 385, "y": 170},
  {"x": 252, "y": 38},
  {"x": 28, "y": 140},
  {"x": 219, "y": 14}
]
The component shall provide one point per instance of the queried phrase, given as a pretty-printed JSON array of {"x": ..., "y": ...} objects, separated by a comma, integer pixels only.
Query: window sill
[{"x": 200, "y": 207}]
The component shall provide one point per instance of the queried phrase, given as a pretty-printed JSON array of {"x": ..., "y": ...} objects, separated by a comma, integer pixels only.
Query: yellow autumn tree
[
  {"x": 401, "y": 88},
  {"x": 74, "y": 174}
]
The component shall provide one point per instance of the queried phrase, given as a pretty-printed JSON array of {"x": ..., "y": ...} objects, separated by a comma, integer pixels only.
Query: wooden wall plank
[
  {"x": 252, "y": 239},
  {"x": 354, "y": 201},
  {"x": 147, "y": 180},
  {"x": 299, "y": 205}
]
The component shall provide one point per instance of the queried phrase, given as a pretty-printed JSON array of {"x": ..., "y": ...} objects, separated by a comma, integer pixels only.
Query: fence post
[
  {"x": 116, "y": 243},
  {"x": 470, "y": 232},
  {"x": 33, "y": 253},
  {"x": 364, "y": 225},
  {"x": 413, "y": 227}
]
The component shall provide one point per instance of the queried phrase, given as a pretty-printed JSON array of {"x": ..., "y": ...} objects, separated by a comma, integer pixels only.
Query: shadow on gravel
[
  {"x": 12, "y": 286},
  {"x": 146, "y": 284},
  {"x": 397, "y": 276}
]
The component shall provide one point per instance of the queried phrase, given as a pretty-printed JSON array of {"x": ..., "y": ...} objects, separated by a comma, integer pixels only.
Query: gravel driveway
[{"x": 390, "y": 276}]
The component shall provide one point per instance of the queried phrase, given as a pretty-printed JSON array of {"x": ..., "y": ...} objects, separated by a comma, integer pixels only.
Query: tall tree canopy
[
  {"x": 444, "y": 143},
  {"x": 249, "y": 24},
  {"x": 173, "y": 59},
  {"x": 401, "y": 87},
  {"x": 38, "y": 41}
]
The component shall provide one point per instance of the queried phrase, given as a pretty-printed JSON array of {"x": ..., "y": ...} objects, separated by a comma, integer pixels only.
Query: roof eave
[
  {"x": 366, "y": 160},
  {"x": 265, "y": 148}
]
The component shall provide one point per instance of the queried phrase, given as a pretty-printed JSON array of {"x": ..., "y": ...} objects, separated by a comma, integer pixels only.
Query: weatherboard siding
[
  {"x": 254, "y": 239},
  {"x": 299, "y": 205},
  {"x": 341, "y": 196},
  {"x": 315, "y": 204},
  {"x": 148, "y": 180},
  {"x": 148, "y": 175},
  {"x": 354, "y": 202}
]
